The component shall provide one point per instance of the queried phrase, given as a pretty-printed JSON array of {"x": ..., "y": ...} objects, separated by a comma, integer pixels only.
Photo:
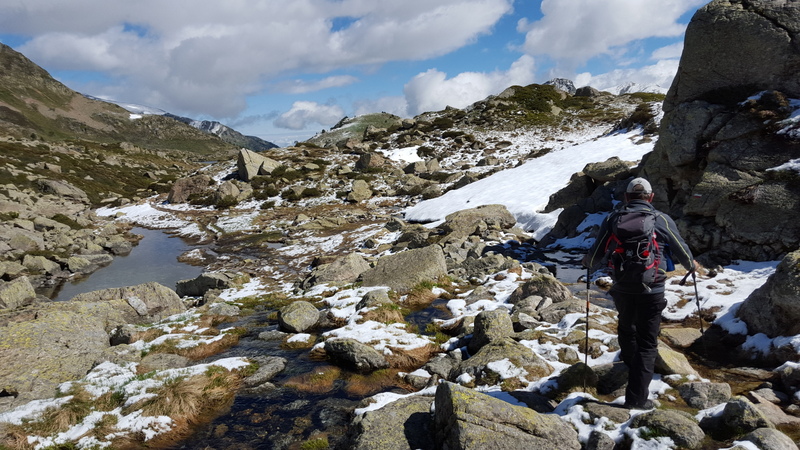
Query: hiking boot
[{"x": 648, "y": 404}]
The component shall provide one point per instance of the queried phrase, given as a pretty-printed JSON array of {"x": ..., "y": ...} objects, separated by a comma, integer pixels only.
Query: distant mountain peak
[
  {"x": 563, "y": 84},
  {"x": 224, "y": 132},
  {"x": 632, "y": 87}
]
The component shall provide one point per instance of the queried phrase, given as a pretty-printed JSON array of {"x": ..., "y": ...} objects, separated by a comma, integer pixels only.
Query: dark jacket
[{"x": 666, "y": 233}]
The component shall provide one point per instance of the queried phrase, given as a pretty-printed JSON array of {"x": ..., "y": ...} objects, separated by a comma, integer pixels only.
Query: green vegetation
[
  {"x": 7, "y": 216},
  {"x": 649, "y": 97},
  {"x": 89, "y": 166},
  {"x": 315, "y": 444}
]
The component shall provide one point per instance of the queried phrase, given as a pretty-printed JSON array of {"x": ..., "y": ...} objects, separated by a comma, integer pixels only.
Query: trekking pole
[
  {"x": 586, "y": 343},
  {"x": 697, "y": 300},
  {"x": 696, "y": 296}
]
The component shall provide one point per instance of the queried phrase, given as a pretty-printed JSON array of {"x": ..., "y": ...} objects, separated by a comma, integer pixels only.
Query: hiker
[{"x": 638, "y": 289}]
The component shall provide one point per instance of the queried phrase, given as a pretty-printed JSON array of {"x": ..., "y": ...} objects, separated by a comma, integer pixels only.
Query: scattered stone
[
  {"x": 354, "y": 355},
  {"x": 704, "y": 395},
  {"x": 680, "y": 427},
  {"x": 490, "y": 326},
  {"x": 298, "y": 317}
]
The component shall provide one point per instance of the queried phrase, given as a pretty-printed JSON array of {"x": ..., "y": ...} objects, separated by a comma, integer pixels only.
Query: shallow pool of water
[{"x": 155, "y": 258}]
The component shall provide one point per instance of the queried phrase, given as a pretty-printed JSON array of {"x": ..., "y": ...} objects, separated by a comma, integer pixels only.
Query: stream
[{"x": 155, "y": 258}]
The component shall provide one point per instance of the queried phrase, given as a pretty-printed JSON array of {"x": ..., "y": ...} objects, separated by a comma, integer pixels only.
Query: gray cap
[{"x": 639, "y": 186}]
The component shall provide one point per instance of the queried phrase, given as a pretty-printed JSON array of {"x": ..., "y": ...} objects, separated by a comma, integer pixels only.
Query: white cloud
[
  {"x": 572, "y": 32},
  {"x": 432, "y": 90},
  {"x": 303, "y": 114},
  {"x": 392, "y": 105},
  {"x": 668, "y": 52},
  {"x": 660, "y": 73},
  {"x": 205, "y": 57},
  {"x": 303, "y": 87}
]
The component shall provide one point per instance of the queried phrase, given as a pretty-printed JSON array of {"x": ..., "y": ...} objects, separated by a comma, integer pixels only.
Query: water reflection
[{"x": 155, "y": 258}]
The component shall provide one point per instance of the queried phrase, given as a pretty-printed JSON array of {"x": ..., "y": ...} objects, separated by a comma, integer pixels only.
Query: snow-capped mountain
[
  {"x": 631, "y": 87},
  {"x": 224, "y": 132}
]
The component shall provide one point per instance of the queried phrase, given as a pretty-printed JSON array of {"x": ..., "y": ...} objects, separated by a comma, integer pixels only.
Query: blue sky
[{"x": 286, "y": 69}]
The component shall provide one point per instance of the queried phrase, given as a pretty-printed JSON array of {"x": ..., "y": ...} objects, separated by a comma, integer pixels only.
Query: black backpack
[{"x": 632, "y": 250}]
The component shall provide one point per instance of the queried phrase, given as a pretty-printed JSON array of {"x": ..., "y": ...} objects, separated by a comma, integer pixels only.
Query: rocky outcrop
[
  {"x": 465, "y": 419},
  {"x": 773, "y": 309},
  {"x": 748, "y": 27},
  {"x": 46, "y": 344},
  {"x": 721, "y": 134}
]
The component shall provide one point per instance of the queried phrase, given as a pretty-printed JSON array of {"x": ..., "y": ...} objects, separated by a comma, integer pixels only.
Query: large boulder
[
  {"x": 490, "y": 326},
  {"x": 744, "y": 28},
  {"x": 543, "y": 285},
  {"x": 151, "y": 301},
  {"x": 722, "y": 133},
  {"x": 64, "y": 189},
  {"x": 197, "y": 287},
  {"x": 404, "y": 270},
  {"x": 16, "y": 292},
  {"x": 343, "y": 270},
  {"x": 53, "y": 343},
  {"x": 183, "y": 188},
  {"x": 359, "y": 192},
  {"x": 298, "y": 317},
  {"x": 704, "y": 395},
  {"x": 250, "y": 164},
  {"x": 463, "y": 223},
  {"x": 502, "y": 359},
  {"x": 466, "y": 419},
  {"x": 403, "y": 424},
  {"x": 774, "y": 308},
  {"x": 680, "y": 427},
  {"x": 354, "y": 355}
]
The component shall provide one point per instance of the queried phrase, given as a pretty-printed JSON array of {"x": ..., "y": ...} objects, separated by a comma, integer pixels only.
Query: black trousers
[{"x": 639, "y": 317}]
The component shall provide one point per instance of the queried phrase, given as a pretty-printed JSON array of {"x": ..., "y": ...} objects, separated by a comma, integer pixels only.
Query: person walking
[{"x": 639, "y": 300}]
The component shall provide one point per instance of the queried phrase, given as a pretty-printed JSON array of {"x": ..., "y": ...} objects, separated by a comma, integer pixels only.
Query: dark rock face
[
  {"x": 722, "y": 133},
  {"x": 773, "y": 309},
  {"x": 738, "y": 43}
]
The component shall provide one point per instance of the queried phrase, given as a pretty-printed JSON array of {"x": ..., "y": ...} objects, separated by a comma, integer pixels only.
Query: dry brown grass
[
  {"x": 109, "y": 401},
  {"x": 14, "y": 437},
  {"x": 197, "y": 352},
  {"x": 409, "y": 360},
  {"x": 420, "y": 297},
  {"x": 383, "y": 314},
  {"x": 318, "y": 381},
  {"x": 360, "y": 385},
  {"x": 205, "y": 350},
  {"x": 56, "y": 420},
  {"x": 190, "y": 401},
  {"x": 147, "y": 335}
]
